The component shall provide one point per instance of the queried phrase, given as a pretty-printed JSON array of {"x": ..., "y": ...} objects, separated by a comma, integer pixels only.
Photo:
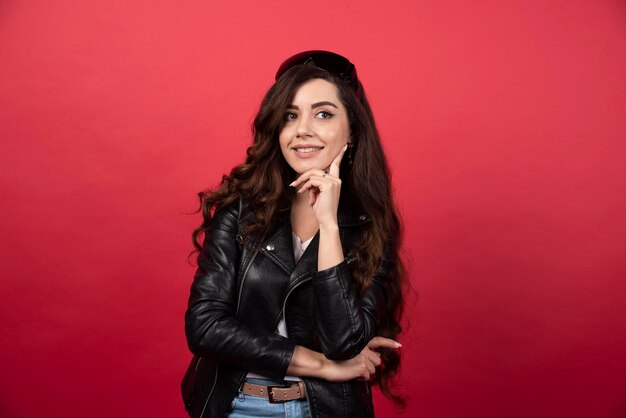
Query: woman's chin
[{"x": 303, "y": 168}]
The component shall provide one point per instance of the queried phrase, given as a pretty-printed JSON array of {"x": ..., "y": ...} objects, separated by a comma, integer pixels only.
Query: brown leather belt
[{"x": 275, "y": 393}]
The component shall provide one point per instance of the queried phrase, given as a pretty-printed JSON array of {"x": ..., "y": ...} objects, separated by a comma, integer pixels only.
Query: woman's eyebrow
[
  {"x": 314, "y": 105},
  {"x": 324, "y": 103}
]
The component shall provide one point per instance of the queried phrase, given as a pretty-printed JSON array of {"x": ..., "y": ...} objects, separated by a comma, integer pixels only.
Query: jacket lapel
[
  {"x": 308, "y": 260},
  {"x": 279, "y": 246}
]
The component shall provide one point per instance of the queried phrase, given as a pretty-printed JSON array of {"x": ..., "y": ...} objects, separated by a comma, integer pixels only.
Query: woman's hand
[
  {"x": 361, "y": 367},
  {"x": 324, "y": 189},
  {"x": 306, "y": 362}
]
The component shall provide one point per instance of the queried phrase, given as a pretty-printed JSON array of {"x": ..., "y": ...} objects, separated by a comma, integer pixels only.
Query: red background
[{"x": 504, "y": 125}]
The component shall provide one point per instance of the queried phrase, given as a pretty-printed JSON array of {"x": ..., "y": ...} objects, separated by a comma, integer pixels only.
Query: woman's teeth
[{"x": 310, "y": 149}]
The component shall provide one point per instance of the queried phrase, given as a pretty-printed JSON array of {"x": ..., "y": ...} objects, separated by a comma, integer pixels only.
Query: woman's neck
[{"x": 303, "y": 221}]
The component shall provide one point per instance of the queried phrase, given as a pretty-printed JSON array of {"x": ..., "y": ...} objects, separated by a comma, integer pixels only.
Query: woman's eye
[
  {"x": 325, "y": 115},
  {"x": 290, "y": 116}
]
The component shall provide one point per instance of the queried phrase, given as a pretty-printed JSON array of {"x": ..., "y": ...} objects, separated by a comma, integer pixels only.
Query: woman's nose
[{"x": 303, "y": 128}]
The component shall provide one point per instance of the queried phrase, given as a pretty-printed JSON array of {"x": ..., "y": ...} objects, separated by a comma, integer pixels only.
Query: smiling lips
[{"x": 307, "y": 152}]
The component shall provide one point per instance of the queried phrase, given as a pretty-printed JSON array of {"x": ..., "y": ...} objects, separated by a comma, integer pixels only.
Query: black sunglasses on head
[{"x": 328, "y": 61}]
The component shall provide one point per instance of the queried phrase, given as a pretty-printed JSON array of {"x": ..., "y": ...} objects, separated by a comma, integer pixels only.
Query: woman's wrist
[
  {"x": 307, "y": 363},
  {"x": 330, "y": 251},
  {"x": 329, "y": 228},
  {"x": 328, "y": 370}
]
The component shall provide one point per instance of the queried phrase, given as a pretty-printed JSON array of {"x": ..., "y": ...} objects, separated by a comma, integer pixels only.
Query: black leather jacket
[{"x": 237, "y": 298}]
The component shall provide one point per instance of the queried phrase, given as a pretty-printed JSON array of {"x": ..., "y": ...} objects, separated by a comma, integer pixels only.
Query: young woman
[{"x": 297, "y": 298}]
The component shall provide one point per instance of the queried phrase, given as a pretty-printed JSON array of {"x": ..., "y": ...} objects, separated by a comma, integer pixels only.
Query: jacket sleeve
[
  {"x": 210, "y": 324},
  {"x": 345, "y": 321}
]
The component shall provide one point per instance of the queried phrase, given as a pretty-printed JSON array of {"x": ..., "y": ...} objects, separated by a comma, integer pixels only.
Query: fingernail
[
  {"x": 398, "y": 344},
  {"x": 345, "y": 147},
  {"x": 291, "y": 184}
]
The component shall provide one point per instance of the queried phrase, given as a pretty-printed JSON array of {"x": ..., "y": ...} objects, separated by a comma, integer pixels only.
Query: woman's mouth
[{"x": 307, "y": 152}]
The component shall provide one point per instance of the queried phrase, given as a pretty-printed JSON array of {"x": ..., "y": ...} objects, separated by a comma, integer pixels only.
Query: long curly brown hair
[{"x": 263, "y": 183}]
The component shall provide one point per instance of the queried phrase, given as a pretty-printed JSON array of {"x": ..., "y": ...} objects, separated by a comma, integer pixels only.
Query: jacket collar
[
  {"x": 348, "y": 213},
  {"x": 278, "y": 247}
]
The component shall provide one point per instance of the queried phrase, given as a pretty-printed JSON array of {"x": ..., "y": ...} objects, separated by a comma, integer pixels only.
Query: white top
[{"x": 298, "y": 249}]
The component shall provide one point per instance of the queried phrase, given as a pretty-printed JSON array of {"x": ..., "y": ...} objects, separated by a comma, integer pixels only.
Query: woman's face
[{"x": 316, "y": 126}]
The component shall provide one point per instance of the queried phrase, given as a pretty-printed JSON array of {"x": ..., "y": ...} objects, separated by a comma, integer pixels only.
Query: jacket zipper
[
  {"x": 285, "y": 316},
  {"x": 211, "y": 391},
  {"x": 287, "y": 297},
  {"x": 245, "y": 273},
  {"x": 243, "y": 279}
]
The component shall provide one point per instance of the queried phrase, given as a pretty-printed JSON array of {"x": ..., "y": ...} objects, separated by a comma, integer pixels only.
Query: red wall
[{"x": 504, "y": 125}]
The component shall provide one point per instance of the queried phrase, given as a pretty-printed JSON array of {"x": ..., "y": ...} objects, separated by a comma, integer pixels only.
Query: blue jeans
[{"x": 245, "y": 406}]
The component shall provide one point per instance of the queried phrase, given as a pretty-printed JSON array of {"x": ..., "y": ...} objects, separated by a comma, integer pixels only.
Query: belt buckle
[{"x": 270, "y": 393}]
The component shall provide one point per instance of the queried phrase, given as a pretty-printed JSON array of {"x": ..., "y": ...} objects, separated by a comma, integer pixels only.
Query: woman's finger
[
  {"x": 316, "y": 181},
  {"x": 307, "y": 175},
  {"x": 306, "y": 186},
  {"x": 312, "y": 196},
  {"x": 372, "y": 356},
  {"x": 364, "y": 367},
  {"x": 334, "y": 166},
  {"x": 378, "y": 342}
]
